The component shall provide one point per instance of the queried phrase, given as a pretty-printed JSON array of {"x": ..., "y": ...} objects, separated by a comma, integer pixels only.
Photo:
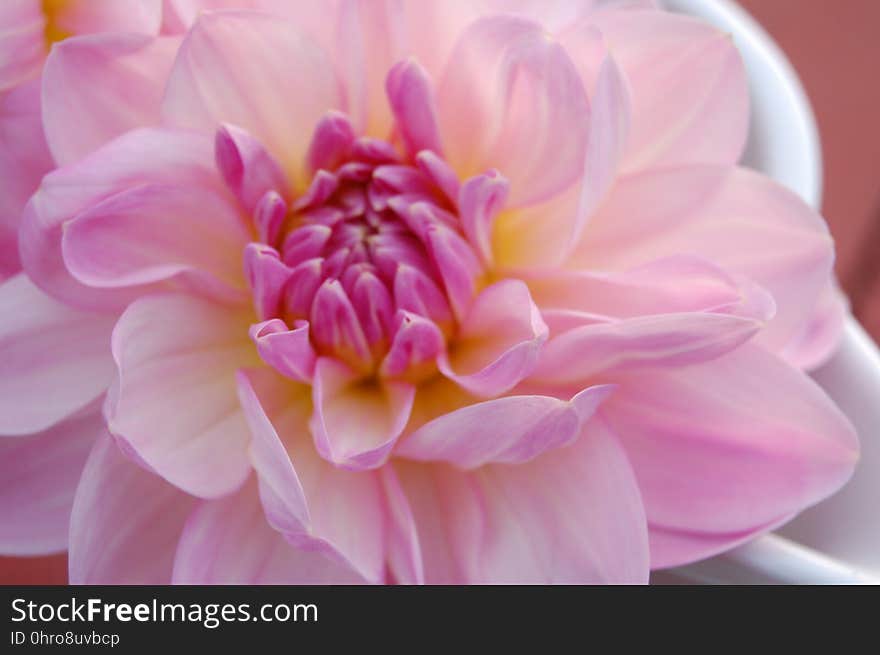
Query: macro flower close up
[{"x": 399, "y": 292}]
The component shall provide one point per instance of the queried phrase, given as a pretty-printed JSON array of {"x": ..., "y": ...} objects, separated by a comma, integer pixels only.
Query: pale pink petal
[
  {"x": 500, "y": 340},
  {"x": 176, "y": 404},
  {"x": 249, "y": 169},
  {"x": 457, "y": 263},
  {"x": 87, "y": 16},
  {"x": 402, "y": 539},
  {"x": 572, "y": 516},
  {"x": 153, "y": 233},
  {"x": 125, "y": 521},
  {"x": 312, "y": 503},
  {"x": 54, "y": 360},
  {"x": 24, "y": 159},
  {"x": 690, "y": 101},
  {"x": 22, "y": 41},
  {"x": 266, "y": 275},
  {"x": 147, "y": 156},
  {"x": 737, "y": 219},
  {"x": 250, "y": 69},
  {"x": 510, "y": 430},
  {"x": 415, "y": 346},
  {"x": 664, "y": 340},
  {"x": 479, "y": 201},
  {"x": 728, "y": 447},
  {"x": 356, "y": 423},
  {"x": 38, "y": 477},
  {"x": 526, "y": 110},
  {"x": 79, "y": 115},
  {"x": 820, "y": 335},
  {"x": 228, "y": 541}
]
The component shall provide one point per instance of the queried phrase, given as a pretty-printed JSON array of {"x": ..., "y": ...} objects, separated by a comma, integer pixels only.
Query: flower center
[{"x": 370, "y": 257}]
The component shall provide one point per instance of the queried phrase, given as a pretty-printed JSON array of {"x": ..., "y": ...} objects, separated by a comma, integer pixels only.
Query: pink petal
[
  {"x": 499, "y": 341},
  {"x": 250, "y": 69},
  {"x": 228, "y": 541},
  {"x": 267, "y": 276},
  {"x": 54, "y": 360},
  {"x": 177, "y": 405},
  {"x": 249, "y": 169},
  {"x": 729, "y": 447},
  {"x": 664, "y": 340},
  {"x": 404, "y": 553},
  {"x": 417, "y": 341},
  {"x": 336, "y": 326},
  {"x": 312, "y": 503},
  {"x": 139, "y": 16},
  {"x": 690, "y": 101},
  {"x": 480, "y": 200},
  {"x": 458, "y": 265},
  {"x": 331, "y": 144},
  {"x": 510, "y": 430},
  {"x": 22, "y": 42},
  {"x": 155, "y": 232},
  {"x": 24, "y": 159},
  {"x": 573, "y": 515},
  {"x": 411, "y": 96},
  {"x": 80, "y": 116},
  {"x": 356, "y": 423},
  {"x": 148, "y": 156},
  {"x": 38, "y": 477},
  {"x": 819, "y": 337},
  {"x": 719, "y": 214},
  {"x": 125, "y": 521},
  {"x": 287, "y": 351},
  {"x": 511, "y": 99}
]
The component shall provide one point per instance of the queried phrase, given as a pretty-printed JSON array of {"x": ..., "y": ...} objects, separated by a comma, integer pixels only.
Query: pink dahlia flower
[{"x": 436, "y": 292}]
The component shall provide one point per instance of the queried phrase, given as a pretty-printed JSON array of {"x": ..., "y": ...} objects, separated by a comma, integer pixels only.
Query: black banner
[{"x": 128, "y": 619}]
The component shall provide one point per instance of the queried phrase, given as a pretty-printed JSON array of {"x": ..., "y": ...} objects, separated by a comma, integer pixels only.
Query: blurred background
[{"x": 833, "y": 45}]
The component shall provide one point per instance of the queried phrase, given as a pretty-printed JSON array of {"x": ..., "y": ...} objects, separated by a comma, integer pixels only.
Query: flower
[{"x": 431, "y": 292}]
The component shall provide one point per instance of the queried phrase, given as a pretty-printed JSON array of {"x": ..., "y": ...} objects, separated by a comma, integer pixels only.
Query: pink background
[{"x": 833, "y": 45}]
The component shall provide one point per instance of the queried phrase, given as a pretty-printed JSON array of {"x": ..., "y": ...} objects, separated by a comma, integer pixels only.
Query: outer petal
[
  {"x": 24, "y": 159},
  {"x": 499, "y": 341},
  {"x": 511, "y": 99},
  {"x": 228, "y": 541},
  {"x": 53, "y": 360},
  {"x": 315, "y": 505},
  {"x": 728, "y": 448},
  {"x": 573, "y": 516},
  {"x": 735, "y": 218},
  {"x": 509, "y": 430},
  {"x": 155, "y": 232},
  {"x": 820, "y": 336},
  {"x": 22, "y": 41},
  {"x": 125, "y": 521},
  {"x": 148, "y": 156},
  {"x": 250, "y": 70},
  {"x": 688, "y": 85},
  {"x": 79, "y": 115},
  {"x": 355, "y": 423},
  {"x": 176, "y": 403},
  {"x": 38, "y": 477}
]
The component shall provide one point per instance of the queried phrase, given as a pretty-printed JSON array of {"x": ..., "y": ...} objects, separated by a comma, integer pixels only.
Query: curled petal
[
  {"x": 249, "y": 169},
  {"x": 267, "y": 276},
  {"x": 287, "y": 351},
  {"x": 356, "y": 423},
  {"x": 509, "y": 430},
  {"x": 499, "y": 341},
  {"x": 411, "y": 96},
  {"x": 480, "y": 200},
  {"x": 417, "y": 341}
]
